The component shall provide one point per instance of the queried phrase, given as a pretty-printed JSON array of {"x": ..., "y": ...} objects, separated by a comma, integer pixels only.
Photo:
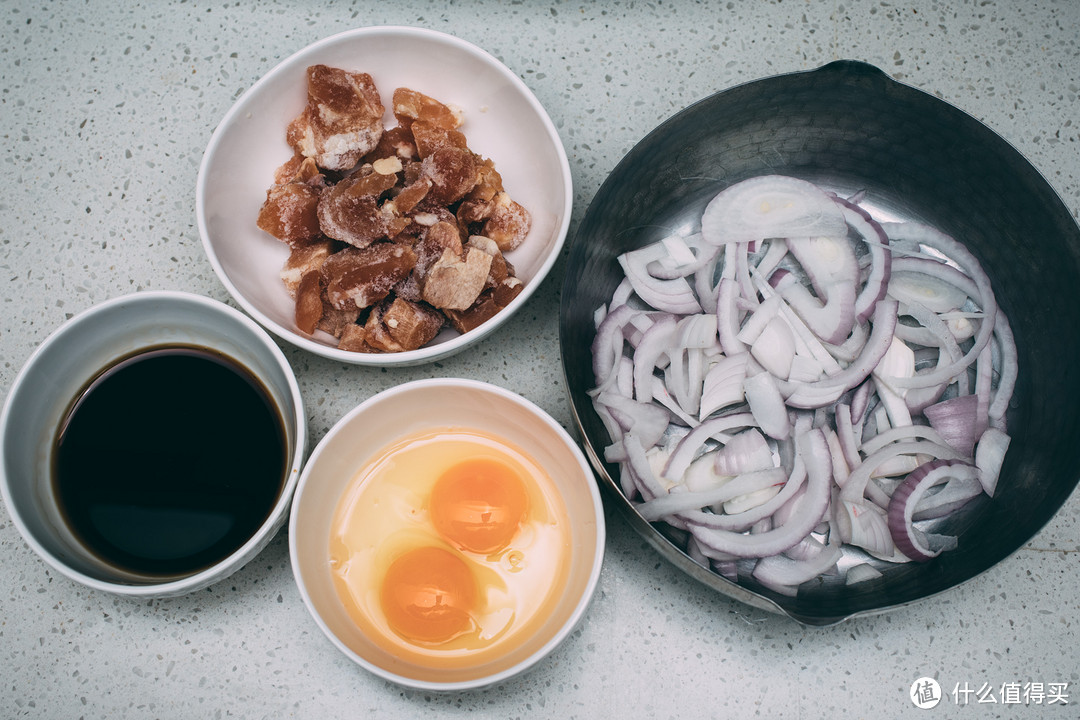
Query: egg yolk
[
  {"x": 478, "y": 505},
  {"x": 427, "y": 595}
]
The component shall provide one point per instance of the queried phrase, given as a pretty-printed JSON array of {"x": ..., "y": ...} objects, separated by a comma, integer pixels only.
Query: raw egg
[
  {"x": 479, "y": 505},
  {"x": 428, "y": 595},
  {"x": 450, "y": 548}
]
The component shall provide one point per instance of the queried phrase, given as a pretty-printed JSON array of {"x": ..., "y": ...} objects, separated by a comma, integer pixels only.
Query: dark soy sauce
[{"x": 169, "y": 460}]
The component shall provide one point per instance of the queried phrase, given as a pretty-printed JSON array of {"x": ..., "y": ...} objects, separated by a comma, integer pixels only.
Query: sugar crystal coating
[
  {"x": 290, "y": 212},
  {"x": 342, "y": 120},
  {"x": 361, "y": 277}
]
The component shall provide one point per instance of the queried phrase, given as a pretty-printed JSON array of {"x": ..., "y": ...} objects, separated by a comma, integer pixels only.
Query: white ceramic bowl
[
  {"x": 63, "y": 365},
  {"x": 429, "y": 405},
  {"x": 503, "y": 121}
]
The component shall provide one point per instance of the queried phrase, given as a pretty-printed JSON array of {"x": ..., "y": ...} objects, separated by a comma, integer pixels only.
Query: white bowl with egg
[
  {"x": 503, "y": 121},
  {"x": 363, "y": 503}
]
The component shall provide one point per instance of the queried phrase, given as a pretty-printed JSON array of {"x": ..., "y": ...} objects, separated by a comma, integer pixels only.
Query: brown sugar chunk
[
  {"x": 400, "y": 325},
  {"x": 361, "y": 277},
  {"x": 509, "y": 223},
  {"x": 309, "y": 303},
  {"x": 500, "y": 269},
  {"x": 487, "y": 305},
  {"x": 429, "y": 138},
  {"x": 299, "y": 169},
  {"x": 473, "y": 212},
  {"x": 507, "y": 290},
  {"x": 436, "y": 240},
  {"x": 412, "y": 195},
  {"x": 410, "y": 105},
  {"x": 287, "y": 171},
  {"x": 290, "y": 212},
  {"x": 337, "y": 321},
  {"x": 453, "y": 282},
  {"x": 475, "y": 315},
  {"x": 350, "y": 211},
  {"x": 377, "y": 220},
  {"x": 354, "y": 338},
  {"x": 452, "y": 172},
  {"x": 342, "y": 121},
  {"x": 302, "y": 259},
  {"x": 488, "y": 181},
  {"x": 395, "y": 142},
  {"x": 429, "y": 246},
  {"x": 422, "y": 217}
]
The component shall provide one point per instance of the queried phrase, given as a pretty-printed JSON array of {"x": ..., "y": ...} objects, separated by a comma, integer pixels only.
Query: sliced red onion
[
  {"x": 831, "y": 321},
  {"x": 902, "y": 434},
  {"x": 751, "y": 500},
  {"x": 655, "y": 343},
  {"x": 824, "y": 364},
  {"x": 774, "y": 348},
  {"x": 812, "y": 507},
  {"x": 779, "y": 570},
  {"x": 911, "y": 541},
  {"x": 989, "y": 457},
  {"x": 767, "y": 405},
  {"x": 860, "y": 401},
  {"x": 876, "y": 346},
  {"x": 898, "y": 361},
  {"x": 637, "y": 462},
  {"x": 773, "y": 256},
  {"x": 727, "y": 319},
  {"x": 755, "y": 324},
  {"x": 841, "y": 469},
  {"x": 864, "y": 525},
  {"x": 881, "y": 257},
  {"x": 683, "y": 258},
  {"x": 744, "y": 520},
  {"x": 608, "y": 342},
  {"x": 959, "y": 254},
  {"x": 661, "y": 395},
  {"x": 1009, "y": 368},
  {"x": 623, "y": 292},
  {"x": 861, "y": 573},
  {"x": 693, "y": 443},
  {"x": 770, "y": 206},
  {"x": 957, "y": 492},
  {"x": 827, "y": 260},
  {"x": 926, "y": 289},
  {"x": 723, "y": 384},
  {"x": 956, "y": 420},
  {"x": 744, "y": 452},
  {"x": 852, "y": 347},
  {"x": 806, "y": 343},
  {"x": 674, "y": 296},
  {"x": 845, "y": 435},
  {"x": 647, "y": 421},
  {"x": 860, "y": 476},
  {"x": 677, "y": 502},
  {"x": 806, "y": 549}
]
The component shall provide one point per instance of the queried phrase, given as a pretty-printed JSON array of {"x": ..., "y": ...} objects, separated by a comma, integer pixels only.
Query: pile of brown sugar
[{"x": 393, "y": 233}]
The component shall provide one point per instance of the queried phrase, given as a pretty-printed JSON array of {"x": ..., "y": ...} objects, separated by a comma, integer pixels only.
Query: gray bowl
[{"x": 848, "y": 127}]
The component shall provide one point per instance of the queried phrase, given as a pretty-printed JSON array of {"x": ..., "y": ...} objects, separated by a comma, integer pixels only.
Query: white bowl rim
[
  {"x": 582, "y": 603},
  {"x": 238, "y": 557},
  {"x": 427, "y": 353}
]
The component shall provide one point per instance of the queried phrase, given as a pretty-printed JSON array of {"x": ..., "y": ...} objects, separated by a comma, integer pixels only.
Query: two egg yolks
[{"x": 429, "y": 593}]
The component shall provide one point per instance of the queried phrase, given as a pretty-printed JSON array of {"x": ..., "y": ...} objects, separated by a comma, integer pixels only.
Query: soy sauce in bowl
[{"x": 168, "y": 461}]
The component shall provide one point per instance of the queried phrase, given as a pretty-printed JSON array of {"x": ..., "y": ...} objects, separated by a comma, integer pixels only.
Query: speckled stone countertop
[{"x": 105, "y": 109}]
